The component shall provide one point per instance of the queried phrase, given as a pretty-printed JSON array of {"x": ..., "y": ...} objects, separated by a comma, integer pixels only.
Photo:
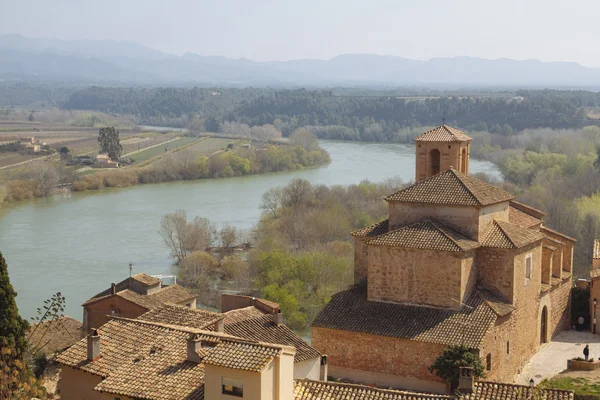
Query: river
[{"x": 79, "y": 243}]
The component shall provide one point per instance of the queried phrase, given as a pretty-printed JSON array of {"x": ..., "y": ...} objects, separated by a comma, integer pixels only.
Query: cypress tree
[{"x": 12, "y": 327}]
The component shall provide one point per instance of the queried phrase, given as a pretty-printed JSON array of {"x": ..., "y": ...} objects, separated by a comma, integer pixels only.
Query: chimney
[
  {"x": 193, "y": 348},
  {"x": 466, "y": 380},
  {"x": 93, "y": 346},
  {"x": 278, "y": 318},
  {"x": 220, "y": 325},
  {"x": 113, "y": 288},
  {"x": 323, "y": 372}
]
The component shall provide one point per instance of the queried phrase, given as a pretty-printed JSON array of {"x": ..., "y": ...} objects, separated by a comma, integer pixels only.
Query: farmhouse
[{"x": 457, "y": 262}]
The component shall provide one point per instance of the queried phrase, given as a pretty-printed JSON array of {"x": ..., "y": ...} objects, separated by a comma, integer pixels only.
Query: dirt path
[{"x": 27, "y": 161}]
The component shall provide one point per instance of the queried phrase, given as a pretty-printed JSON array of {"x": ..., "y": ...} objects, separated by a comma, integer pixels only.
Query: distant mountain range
[{"x": 106, "y": 61}]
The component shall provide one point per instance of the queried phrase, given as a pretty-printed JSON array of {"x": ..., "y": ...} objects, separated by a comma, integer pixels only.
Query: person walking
[{"x": 586, "y": 351}]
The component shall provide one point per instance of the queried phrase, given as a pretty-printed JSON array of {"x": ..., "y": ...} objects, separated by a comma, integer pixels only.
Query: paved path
[{"x": 552, "y": 358}]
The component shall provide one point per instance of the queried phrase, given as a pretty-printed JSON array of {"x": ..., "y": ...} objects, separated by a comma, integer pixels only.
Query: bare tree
[
  {"x": 304, "y": 138},
  {"x": 236, "y": 129},
  {"x": 46, "y": 176},
  {"x": 265, "y": 132},
  {"x": 197, "y": 269},
  {"x": 296, "y": 192},
  {"x": 272, "y": 200},
  {"x": 183, "y": 237},
  {"x": 229, "y": 237},
  {"x": 236, "y": 270},
  {"x": 196, "y": 126}
]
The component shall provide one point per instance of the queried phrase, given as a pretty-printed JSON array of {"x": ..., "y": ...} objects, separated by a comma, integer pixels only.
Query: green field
[
  {"x": 208, "y": 146},
  {"x": 145, "y": 155}
]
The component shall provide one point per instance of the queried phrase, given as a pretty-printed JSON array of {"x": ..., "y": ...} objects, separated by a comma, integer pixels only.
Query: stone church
[{"x": 457, "y": 262}]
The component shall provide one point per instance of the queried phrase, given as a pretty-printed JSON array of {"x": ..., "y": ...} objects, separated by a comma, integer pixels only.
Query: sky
[{"x": 262, "y": 30}]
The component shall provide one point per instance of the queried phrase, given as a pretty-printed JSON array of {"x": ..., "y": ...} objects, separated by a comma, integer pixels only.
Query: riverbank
[{"x": 193, "y": 160}]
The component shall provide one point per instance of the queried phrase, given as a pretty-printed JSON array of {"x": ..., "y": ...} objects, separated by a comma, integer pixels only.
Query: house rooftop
[
  {"x": 425, "y": 234},
  {"x": 518, "y": 217},
  {"x": 55, "y": 336},
  {"x": 350, "y": 310},
  {"x": 504, "y": 235},
  {"x": 173, "y": 314},
  {"x": 373, "y": 230},
  {"x": 495, "y": 391},
  {"x": 452, "y": 188},
  {"x": 443, "y": 133}
]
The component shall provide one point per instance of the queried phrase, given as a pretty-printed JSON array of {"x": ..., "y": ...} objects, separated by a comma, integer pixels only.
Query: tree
[
  {"x": 64, "y": 150},
  {"x": 272, "y": 200},
  {"x": 196, "y": 269},
  {"x": 52, "y": 310},
  {"x": 183, "y": 237},
  {"x": 13, "y": 328},
  {"x": 236, "y": 270},
  {"x": 46, "y": 176},
  {"x": 196, "y": 126},
  {"x": 229, "y": 237},
  {"x": 31, "y": 117},
  {"x": 296, "y": 192},
  {"x": 447, "y": 365},
  {"x": 265, "y": 132},
  {"x": 109, "y": 142},
  {"x": 16, "y": 380},
  {"x": 304, "y": 138}
]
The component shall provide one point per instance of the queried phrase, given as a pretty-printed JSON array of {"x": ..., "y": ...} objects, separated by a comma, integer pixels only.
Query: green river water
[{"x": 79, "y": 243}]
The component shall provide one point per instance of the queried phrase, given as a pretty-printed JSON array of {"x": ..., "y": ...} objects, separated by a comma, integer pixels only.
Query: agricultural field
[
  {"x": 157, "y": 151},
  {"x": 209, "y": 145}
]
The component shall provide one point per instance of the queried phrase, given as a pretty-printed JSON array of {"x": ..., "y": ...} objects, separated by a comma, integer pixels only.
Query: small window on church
[
  {"x": 488, "y": 362},
  {"x": 508, "y": 347},
  {"x": 528, "y": 262}
]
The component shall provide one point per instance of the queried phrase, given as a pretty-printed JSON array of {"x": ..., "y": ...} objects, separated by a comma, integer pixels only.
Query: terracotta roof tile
[
  {"x": 504, "y": 235},
  {"x": 596, "y": 249},
  {"x": 263, "y": 329},
  {"x": 170, "y": 294},
  {"x": 373, "y": 230},
  {"x": 534, "y": 212},
  {"x": 496, "y": 301},
  {"x": 241, "y": 356},
  {"x": 242, "y": 314},
  {"x": 351, "y": 311},
  {"x": 505, "y": 391},
  {"x": 172, "y": 314},
  {"x": 518, "y": 217},
  {"x": 453, "y": 188},
  {"x": 443, "y": 133},
  {"x": 305, "y": 389},
  {"x": 145, "y": 280},
  {"x": 425, "y": 234},
  {"x": 55, "y": 336}
]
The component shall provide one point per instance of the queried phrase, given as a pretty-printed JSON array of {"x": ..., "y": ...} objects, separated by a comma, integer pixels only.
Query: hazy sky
[{"x": 549, "y": 30}]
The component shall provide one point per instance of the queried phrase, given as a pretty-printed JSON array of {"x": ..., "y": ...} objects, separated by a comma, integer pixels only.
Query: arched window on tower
[
  {"x": 434, "y": 162},
  {"x": 463, "y": 164}
]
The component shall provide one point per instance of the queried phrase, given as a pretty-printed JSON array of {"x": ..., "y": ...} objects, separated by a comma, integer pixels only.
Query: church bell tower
[{"x": 439, "y": 149}]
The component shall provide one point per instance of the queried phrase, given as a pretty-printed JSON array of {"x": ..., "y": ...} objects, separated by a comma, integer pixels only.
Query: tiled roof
[
  {"x": 518, "y": 217},
  {"x": 305, "y": 389},
  {"x": 504, "y": 235},
  {"x": 242, "y": 314},
  {"x": 351, "y": 311},
  {"x": 170, "y": 294},
  {"x": 183, "y": 316},
  {"x": 506, "y": 391},
  {"x": 534, "y": 212},
  {"x": 241, "y": 356},
  {"x": 263, "y": 329},
  {"x": 54, "y": 336},
  {"x": 453, "y": 188},
  {"x": 443, "y": 133},
  {"x": 373, "y": 230},
  {"x": 596, "y": 249},
  {"x": 425, "y": 234},
  {"x": 496, "y": 301},
  {"x": 146, "y": 280},
  {"x": 549, "y": 231}
]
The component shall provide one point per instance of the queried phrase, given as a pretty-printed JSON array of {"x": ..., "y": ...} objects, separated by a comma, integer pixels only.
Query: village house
[
  {"x": 146, "y": 359},
  {"x": 457, "y": 262},
  {"x": 595, "y": 286},
  {"x": 104, "y": 161},
  {"x": 131, "y": 298}
]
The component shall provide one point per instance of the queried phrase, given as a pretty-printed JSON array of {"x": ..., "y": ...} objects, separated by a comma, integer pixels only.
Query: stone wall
[
  {"x": 450, "y": 156},
  {"x": 379, "y": 360},
  {"x": 488, "y": 214},
  {"x": 464, "y": 220},
  {"x": 560, "y": 316},
  {"x": 415, "y": 276},
  {"x": 546, "y": 265},
  {"x": 360, "y": 259},
  {"x": 495, "y": 269}
]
